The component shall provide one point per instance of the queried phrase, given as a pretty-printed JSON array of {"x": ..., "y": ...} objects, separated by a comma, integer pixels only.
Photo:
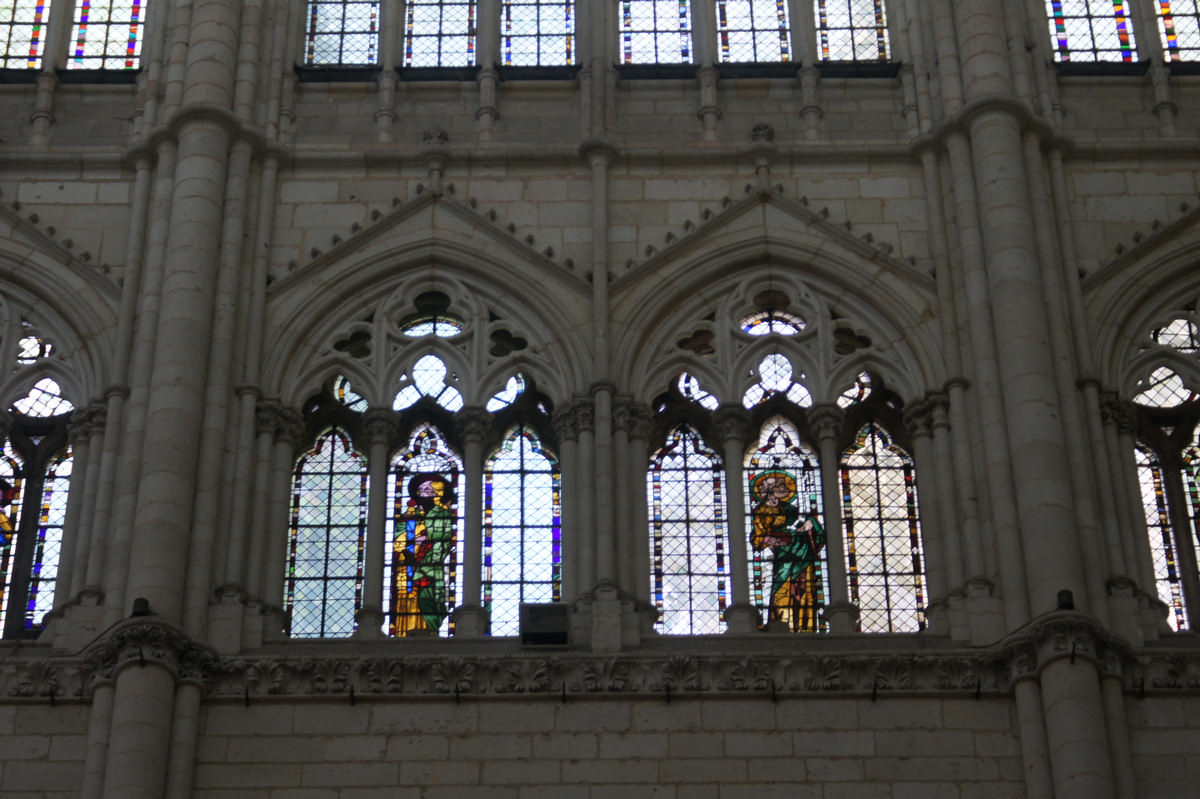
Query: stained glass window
[
  {"x": 1162, "y": 542},
  {"x": 691, "y": 389},
  {"x": 48, "y": 546},
  {"x": 753, "y": 30},
  {"x": 885, "y": 559},
  {"x": 432, "y": 317},
  {"x": 430, "y": 378},
  {"x": 537, "y": 33},
  {"x": 775, "y": 379},
  {"x": 31, "y": 349},
  {"x": 857, "y": 392},
  {"x": 327, "y": 539},
  {"x": 1163, "y": 388},
  {"x": 12, "y": 484},
  {"x": 439, "y": 33},
  {"x": 424, "y": 570},
  {"x": 781, "y": 323},
  {"x": 1179, "y": 26},
  {"x": 851, "y": 30},
  {"x": 1091, "y": 30},
  {"x": 345, "y": 394},
  {"x": 1179, "y": 334},
  {"x": 44, "y": 399},
  {"x": 342, "y": 32},
  {"x": 107, "y": 34},
  {"x": 689, "y": 579},
  {"x": 23, "y": 28},
  {"x": 512, "y": 390},
  {"x": 656, "y": 32},
  {"x": 522, "y": 529},
  {"x": 789, "y": 573}
]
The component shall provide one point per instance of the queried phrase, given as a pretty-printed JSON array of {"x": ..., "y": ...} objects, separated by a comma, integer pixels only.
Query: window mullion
[{"x": 1185, "y": 551}]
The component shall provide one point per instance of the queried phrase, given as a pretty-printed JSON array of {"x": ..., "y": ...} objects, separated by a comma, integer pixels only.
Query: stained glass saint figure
[
  {"x": 420, "y": 554},
  {"x": 795, "y": 541}
]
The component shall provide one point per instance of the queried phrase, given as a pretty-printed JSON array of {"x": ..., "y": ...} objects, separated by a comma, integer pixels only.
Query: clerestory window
[
  {"x": 1091, "y": 30},
  {"x": 342, "y": 33},
  {"x": 23, "y": 29},
  {"x": 107, "y": 34},
  {"x": 851, "y": 30}
]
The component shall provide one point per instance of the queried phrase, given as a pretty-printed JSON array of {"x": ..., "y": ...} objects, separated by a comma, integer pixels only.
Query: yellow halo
[{"x": 788, "y": 480}]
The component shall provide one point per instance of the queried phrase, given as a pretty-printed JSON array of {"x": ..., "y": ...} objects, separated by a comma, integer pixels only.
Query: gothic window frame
[
  {"x": 421, "y": 29},
  {"x": 346, "y": 42},
  {"x": 643, "y": 37},
  {"x": 41, "y": 444},
  {"x": 24, "y": 27},
  {"x": 1179, "y": 29},
  {"x": 335, "y": 436},
  {"x": 740, "y": 28},
  {"x": 554, "y": 44},
  {"x": 1080, "y": 31},
  {"x": 849, "y": 26},
  {"x": 107, "y": 52}
]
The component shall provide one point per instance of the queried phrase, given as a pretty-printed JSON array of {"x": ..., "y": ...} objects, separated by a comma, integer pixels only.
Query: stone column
[
  {"x": 1119, "y": 428},
  {"x": 265, "y": 426},
  {"x": 76, "y": 541},
  {"x": 582, "y": 421},
  {"x": 641, "y": 426},
  {"x": 943, "y": 466},
  {"x": 625, "y": 492},
  {"x": 470, "y": 617},
  {"x": 381, "y": 429},
  {"x": 826, "y": 421},
  {"x": 289, "y": 437},
  {"x": 733, "y": 423}
]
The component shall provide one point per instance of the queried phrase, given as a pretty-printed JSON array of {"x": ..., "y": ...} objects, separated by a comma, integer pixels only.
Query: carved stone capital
[
  {"x": 575, "y": 417},
  {"x": 474, "y": 423},
  {"x": 147, "y": 641},
  {"x": 919, "y": 419},
  {"x": 1062, "y": 635},
  {"x": 826, "y": 421},
  {"x": 80, "y": 428},
  {"x": 732, "y": 422},
  {"x": 289, "y": 427},
  {"x": 380, "y": 424},
  {"x": 940, "y": 408},
  {"x": 1121, "y": 413}
]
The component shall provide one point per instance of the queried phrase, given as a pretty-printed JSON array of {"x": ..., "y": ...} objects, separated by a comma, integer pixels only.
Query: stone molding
[{"x": 795, "y": 666}]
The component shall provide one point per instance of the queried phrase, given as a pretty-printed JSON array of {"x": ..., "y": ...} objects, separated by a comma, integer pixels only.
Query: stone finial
[
  {"x": 762, "y": 131},
  {"x": 435, "y": 136},
  {"x": 826, "y": 421}
]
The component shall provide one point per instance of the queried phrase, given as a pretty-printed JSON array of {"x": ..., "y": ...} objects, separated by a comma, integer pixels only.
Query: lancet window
[
  {"x": 23, "y": 28},
  {"x": 656, "y": 32},
  {"x": 107, "y": 34},
  {"x": 423, "y": 535},
  {"x": 851, "y": 30},
  {"x": 35, "y": 473},
  {"x": 1167, "y": 456},
  {"x": 327, "y": 540},
  {"x": 342, "y": 32},
  {"x": 1179, "y": 27},
  {"x": 537, "y": 33},
  {"x": 689, "y": 537},
  {"x": 753, "y": 31},
  {"x": 439, "y": 33},
  {"x": 1091, "y": 30}
]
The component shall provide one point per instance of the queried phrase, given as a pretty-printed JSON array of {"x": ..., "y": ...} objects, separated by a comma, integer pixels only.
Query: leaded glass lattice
[
  {"x": 885, "y": 560},
  {"x": 522, "y": 529},
  {"x": 48, "y": 547},
  {"x": 43, "y": 400},
  {"x": 430, "y": 378},
  {"x": 439, "y": 33},
  {"x": 656, "y": 32},
  {"x": 537, "y": 33},
  {"x": 342, "y": 32},
  {"x": 753, "y": 30},
  {"x": 1162, "y": 542},
  {"x": 775, "y": 378},
  {"x": 1091, "y": 30},
  {"x": 424, "y": 570},
  {"x": 1179, "y": 26},
  {"x": 327, "y": 539},
  {"x": 689, "y": 579},
  {"x": 107, "y": 34},
  {"x": 1163, "y": 388},
  {"x": 23, "y": 28},
  {"x": 851, "y": 30},
  {"x": 11, "y": 499},
  {"x": 789, "y": 573}
]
